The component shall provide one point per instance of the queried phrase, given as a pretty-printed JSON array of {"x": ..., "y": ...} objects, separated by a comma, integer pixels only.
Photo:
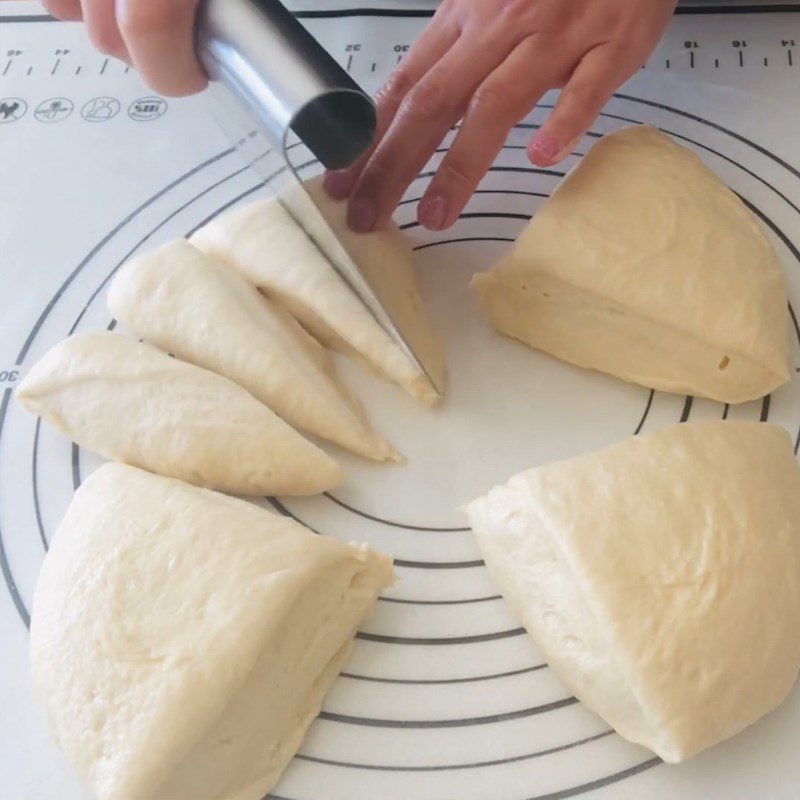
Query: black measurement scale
[
  {"x": 444, "y": 697},
  {"x": 703, "y": 37}
]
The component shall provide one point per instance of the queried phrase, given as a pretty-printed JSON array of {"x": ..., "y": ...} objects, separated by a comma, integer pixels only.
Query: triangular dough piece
[
  {"x": 130, "y": 402},
  {"x": 660, "y": 576},
  {"x": 644, "y": 265},
  {"x": 182, "y": 641},
  {"x": 268, "y": 248},
  {"x": 186, "y": 303}
]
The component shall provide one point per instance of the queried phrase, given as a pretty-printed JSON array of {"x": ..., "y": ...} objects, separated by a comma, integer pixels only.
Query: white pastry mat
[{"x": 444, "y": 696}]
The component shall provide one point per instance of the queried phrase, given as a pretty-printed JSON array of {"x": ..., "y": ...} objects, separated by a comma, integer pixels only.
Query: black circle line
[
  {"x": 442, "y": 602},
  {"x": 484, "y": 191},
  {"x": 446, "y": 640},
  {"x": 464, "y": 722},
  {"x": 5, "y": 567},
  {"x": 417, "y": 564},
  {"x": 392, "y": 524},
  {"x": 35, "y": 483},
  {"x": 446, "y": 565},
  {"x": 3, "y": 556},
  {"x": 796, "y": 253},
  {"x": 438, "y": 681},
  {"x": 710, "y": 150},
  {"x": 764, "y": 415},
  {"x": 565, "y": 793},
  {"x": 283, "y": 510},
  {"x": 445, "y": 767},
  {"x": 795, "y": 323},
  {"x": 646, "y": 412},
  {"x": 102, "y": 243},
  {"x": 714, "y": 125},
  {"x": 463, "y": 239},
  {"x": 76, "y": 467},
  {"x": 473, "y": 215},
  {"x": 76, "y": 479},
  {"x": 600, "y": 782},
  {"x": 402, "y": 562},
  {"x": 398, "y": 562},
  {"x": 154, "y": 230},
  {"x": 586, "y": 787}
]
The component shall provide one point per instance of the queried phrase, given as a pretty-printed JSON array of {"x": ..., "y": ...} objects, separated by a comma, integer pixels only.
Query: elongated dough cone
[
  {"x": 644, "y": 265},
  {"x": 132, "y": 403},
  {"x": 661, "y": 577},
  {"x": 268, "y": 248},
  {"x": 182, "y": 641},
  {"x": 188, "y": 304}
]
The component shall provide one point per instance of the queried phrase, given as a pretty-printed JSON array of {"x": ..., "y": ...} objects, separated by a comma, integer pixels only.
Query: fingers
[
  {"x": 423, "y": 118},
  {"x": 594, "y": 80},
  {"x": 67, "y": 10},
  {"x": 101, "y": 25},
  {"x": 504, "y": 98},
  {"x": 159, "y": 36},
  {"x": 431, "y": 46}
]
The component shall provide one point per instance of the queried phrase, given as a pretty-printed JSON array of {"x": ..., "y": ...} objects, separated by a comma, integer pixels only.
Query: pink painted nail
[
  {"x": 361, "y": 215},
  {"x": 567, "y": 151},
  {"x": 339, "y": 184},
  {"x": 544, "y": 148},
  {"x": 432, "y": 212}
]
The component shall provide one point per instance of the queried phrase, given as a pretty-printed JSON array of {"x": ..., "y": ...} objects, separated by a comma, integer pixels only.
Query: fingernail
[
  {"x": 432, "y": 212},
  {"x": 544, "y": 148},
  {"x": 567, "y": 151},
  {"x": 339, "y": 184},
  {"x": 361, "y": 216}
]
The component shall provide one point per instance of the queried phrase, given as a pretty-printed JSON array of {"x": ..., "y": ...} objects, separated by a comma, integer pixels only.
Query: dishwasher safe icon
[
  {"x": 100, "y": 109},
  {"x": 146, "y": 109},
  {"x": 54, "y": 110}
]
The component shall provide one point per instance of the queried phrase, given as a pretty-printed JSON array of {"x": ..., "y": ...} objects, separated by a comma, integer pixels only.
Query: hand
[
  {"x": 154, "y": 36},
  {"x": 488, "y": 62}
]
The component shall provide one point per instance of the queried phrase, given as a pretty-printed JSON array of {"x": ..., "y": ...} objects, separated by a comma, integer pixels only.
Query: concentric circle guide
[{"x": 442, "y": 658}]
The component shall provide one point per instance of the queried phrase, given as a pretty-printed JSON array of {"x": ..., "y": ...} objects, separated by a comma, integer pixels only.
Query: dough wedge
[
  {"x": 187, "y": 303},
  {"x": 132, "y": 403},
  {"x": 661, "y": 577},
  {"x": 264, "y": 244},
  {"x": 182, "y": 641},
  {"x": 644, "y": 265}
]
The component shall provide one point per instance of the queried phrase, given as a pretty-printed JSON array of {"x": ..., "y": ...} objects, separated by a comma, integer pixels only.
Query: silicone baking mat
[{"x": 444, "y": 697}]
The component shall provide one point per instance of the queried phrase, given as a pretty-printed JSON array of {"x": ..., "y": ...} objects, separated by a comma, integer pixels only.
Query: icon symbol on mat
[
  {"x": 147, "y": 108},
  {"x": 100, "y": 109},
  {"x": 54, "y": 110},
  {"x": 11, "y": 109}
]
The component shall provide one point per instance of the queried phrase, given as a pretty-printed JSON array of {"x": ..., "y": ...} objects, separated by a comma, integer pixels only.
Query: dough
[
  {"x": 268, "y": 248},
  {"x": 186, "y": 303},
  {"x": 644, "y": 265},
  {"x": 132, "y": 403},
  {"x": 660, "y": 576},
  {"x": 182, "y": 641}
]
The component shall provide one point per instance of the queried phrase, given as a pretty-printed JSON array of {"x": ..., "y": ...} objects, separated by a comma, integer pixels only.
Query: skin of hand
[
  {"x": 154, "y": 36},
  {"x": 487, "y": 63}
]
